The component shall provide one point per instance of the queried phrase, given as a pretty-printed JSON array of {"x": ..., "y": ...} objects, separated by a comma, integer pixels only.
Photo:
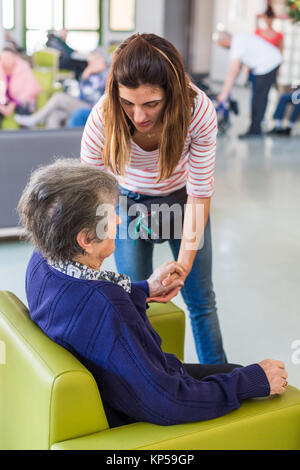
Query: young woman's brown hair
[{"x": 147, "y": 59}]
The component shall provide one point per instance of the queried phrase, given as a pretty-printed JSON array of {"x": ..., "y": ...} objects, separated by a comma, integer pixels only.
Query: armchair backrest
[
  {"x": 46, "y": 394},
  {"x": 46, "y": 58}
]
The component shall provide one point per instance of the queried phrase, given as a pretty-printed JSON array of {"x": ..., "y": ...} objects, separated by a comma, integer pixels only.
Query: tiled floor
[{"x": 256, "y": 238}]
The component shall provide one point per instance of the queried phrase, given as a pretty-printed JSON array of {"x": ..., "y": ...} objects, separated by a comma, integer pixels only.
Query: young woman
[{"x": 157, "y": 132}]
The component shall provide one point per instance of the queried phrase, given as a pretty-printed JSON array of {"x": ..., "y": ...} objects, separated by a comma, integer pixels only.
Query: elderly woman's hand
[
  {"x": 166, "y": 280},
  {"x": 276, "y": 375}
]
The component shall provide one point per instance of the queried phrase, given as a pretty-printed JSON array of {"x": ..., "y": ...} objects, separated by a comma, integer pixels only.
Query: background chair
[
  {"x": 49, "y": 400},
  {"x": 9, "y": 123},
  {"x": 48, "y": 58}
]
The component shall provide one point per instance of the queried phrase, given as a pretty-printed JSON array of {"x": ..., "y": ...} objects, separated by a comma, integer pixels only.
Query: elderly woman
[{"x": 99, "y": 316}]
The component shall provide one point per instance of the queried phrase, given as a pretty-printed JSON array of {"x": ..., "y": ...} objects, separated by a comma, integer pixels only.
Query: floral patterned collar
[{"x": 81, "y": 271}]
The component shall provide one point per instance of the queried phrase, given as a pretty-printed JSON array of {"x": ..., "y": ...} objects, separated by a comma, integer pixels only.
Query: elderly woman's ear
[{"x": 85, "y": 240}]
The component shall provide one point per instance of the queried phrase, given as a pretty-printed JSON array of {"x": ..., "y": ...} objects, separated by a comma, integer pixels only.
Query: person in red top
[{"x": 268, "y": 33}]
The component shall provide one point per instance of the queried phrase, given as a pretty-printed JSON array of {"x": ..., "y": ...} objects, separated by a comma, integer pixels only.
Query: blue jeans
[
  {"x": 136, "y": 260},
  {"x": 285, "y": 99},
  {"x": 79, "y": 117}
]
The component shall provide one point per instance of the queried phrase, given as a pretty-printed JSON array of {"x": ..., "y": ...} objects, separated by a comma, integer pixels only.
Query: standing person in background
[
  {"x": 61, "y": 105},
  {"x": 18, "y": 86},
  {"x": 157, "y": 132},
  {"x": 268, "y": 33},
  {"x": 263, "y": 59}
]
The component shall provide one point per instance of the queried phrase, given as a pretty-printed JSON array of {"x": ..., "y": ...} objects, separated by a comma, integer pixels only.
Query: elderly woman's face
[
  {"x": 96, "y": 62},
  {"x": 106, "y": 247}
]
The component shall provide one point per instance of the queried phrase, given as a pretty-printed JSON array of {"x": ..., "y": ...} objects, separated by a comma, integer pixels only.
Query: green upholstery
[
  {"x": 46, "y": 79},
  {"x": 9, "y": 123},
  {"x": 169, "y": 322},
  {"x": 260, "y": 424},
  {"x": 47, "y": 58},
  {"x": 48, "y": 400}
]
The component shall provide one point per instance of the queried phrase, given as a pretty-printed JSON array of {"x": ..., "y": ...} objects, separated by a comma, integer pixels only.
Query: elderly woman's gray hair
[
  {"x": 59, "y": 201},
  {"x": 100, "y": 51}
]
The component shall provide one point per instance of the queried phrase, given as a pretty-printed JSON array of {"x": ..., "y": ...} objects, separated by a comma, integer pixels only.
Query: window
[
  {"x": 122, "y": 15},
  {"x": 8, "y": 14},
  {"x": 289, "y": 72},
  {"x": 82, "y": 23}
]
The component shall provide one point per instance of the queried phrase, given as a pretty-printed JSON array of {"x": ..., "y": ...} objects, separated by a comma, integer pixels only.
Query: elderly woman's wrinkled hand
[
  {"x": 276, "y": 375},
  {"x": 166, "y": 281}
]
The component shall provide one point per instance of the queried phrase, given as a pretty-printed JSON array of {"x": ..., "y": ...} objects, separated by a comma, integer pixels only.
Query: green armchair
[{"x": 49, "y": 400}]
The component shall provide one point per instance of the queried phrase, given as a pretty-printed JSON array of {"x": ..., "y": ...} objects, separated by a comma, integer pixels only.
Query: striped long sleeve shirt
[{"x": 195, "y": 169}]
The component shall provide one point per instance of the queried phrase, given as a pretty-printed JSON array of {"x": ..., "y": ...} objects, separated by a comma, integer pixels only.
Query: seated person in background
[
  {"x": 68, "y": 212},
  {"x": 79, "y": 117},
  {"x": 268, "y": 33},
  {"x": 61, "y": 105},
  {"x": 291, "y": 98},
  {"x": 18, "y": 86},
  {"x": 57, "y": 40}
]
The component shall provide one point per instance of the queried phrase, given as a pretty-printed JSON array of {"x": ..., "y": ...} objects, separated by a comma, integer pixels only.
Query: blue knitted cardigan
[{"x": 107, "y": 329}]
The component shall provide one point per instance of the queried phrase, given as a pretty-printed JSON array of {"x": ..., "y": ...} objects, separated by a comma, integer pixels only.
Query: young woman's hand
[
  {"x": 165, "y": 298},
  {"x": 166, "y": 281}
]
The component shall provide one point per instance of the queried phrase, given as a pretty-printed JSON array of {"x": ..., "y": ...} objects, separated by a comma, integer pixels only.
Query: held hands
[
  {"x": 166, "y": 281},
  {"x": 276, "y": 375}
]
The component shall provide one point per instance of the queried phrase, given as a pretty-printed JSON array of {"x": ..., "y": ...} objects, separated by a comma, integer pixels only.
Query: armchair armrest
[
  {"x": 168, "y": 320},
  {"x": 259, "y": 424}
]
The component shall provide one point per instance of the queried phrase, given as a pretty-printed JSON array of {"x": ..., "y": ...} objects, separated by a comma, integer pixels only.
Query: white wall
[
  {"x": 17, "y": 32},
  {"x": 236, "y": 16},
  {"x": 149, "y": 19},
  {"x": 176, "y": 26},
  {"x": 19, "y": 21},
  {"x": 201, "y": 41}
]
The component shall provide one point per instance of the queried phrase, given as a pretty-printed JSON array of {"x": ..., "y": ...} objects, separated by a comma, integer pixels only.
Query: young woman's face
[{"x": 143, "y": 105}]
